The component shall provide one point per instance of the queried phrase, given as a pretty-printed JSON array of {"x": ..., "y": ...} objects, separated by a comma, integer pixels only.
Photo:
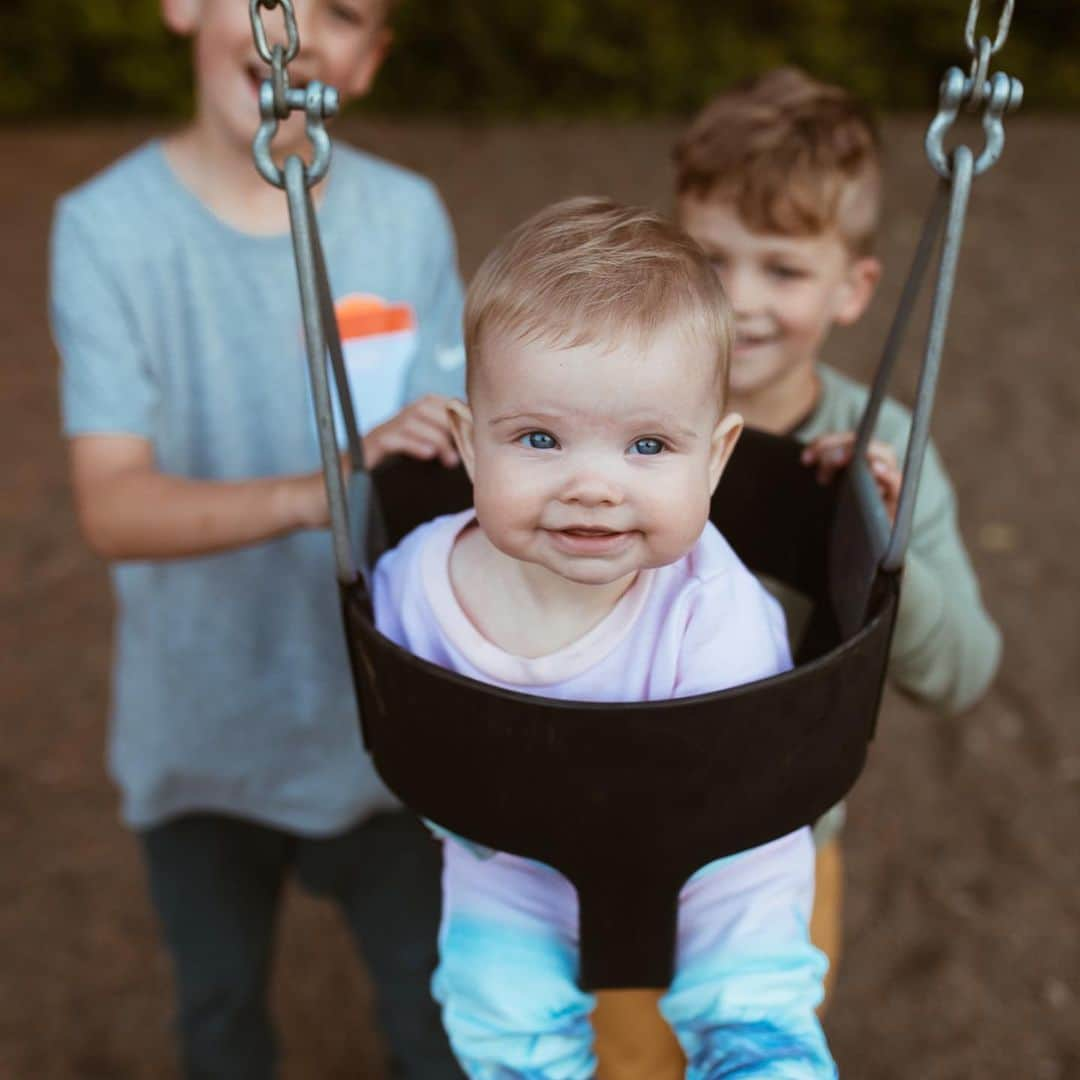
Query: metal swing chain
[
  {"x": 982, "y": 49},
  {"x": 277, "y": 100},
  {"x": 351, "y": 507},
  {"x": 1002, "y": 31},
  {"x": 996, "y": 95}
]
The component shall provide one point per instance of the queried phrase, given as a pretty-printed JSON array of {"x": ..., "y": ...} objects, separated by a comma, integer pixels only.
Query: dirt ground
[{"x": 962, "y": 951}]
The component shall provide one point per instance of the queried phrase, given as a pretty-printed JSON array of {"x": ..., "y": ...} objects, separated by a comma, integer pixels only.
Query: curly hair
[{"x": 794, "y": 155}]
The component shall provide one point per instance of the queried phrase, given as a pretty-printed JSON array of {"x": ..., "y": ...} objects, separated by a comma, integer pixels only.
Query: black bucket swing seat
[{"x": 600, "y": 790}]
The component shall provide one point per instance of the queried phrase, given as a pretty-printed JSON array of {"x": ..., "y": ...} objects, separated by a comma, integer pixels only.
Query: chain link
[
  {"x": 1002, "y": 30},
  {"x": 291, "y": 33},
  {"x": 980, "y": 72},
  {"x": 277, "y": 99}
]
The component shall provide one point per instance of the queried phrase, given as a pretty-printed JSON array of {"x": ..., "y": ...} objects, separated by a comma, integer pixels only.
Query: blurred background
[
  {"x": 962, "y": 952},
  {"x": 617, "y": 59}
]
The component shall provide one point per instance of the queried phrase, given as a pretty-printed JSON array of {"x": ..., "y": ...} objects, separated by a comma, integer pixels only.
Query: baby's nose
[{"x": 592, "y": 487}]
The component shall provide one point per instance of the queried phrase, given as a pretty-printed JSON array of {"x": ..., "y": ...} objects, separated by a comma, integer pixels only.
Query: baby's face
[{"x": 598, "y": 460}]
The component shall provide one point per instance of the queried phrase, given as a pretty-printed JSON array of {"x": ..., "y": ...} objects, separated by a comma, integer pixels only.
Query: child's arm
[
  {"x": 128, "y": 509},
  {"x": 946, "y": 647},
  {"x": 112, "y": 398}
]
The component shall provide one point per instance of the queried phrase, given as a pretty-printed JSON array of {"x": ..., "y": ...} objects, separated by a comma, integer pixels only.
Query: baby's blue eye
[
  {"x": 648, "y": 446},
  {"x": 539, "y": 440}
]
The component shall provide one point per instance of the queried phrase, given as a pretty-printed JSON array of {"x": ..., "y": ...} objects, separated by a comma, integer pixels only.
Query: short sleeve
[
  {"x": 735, "y": 633},
  {"x": 105, "y": 382},
  {"x": 439, "y": 367}
]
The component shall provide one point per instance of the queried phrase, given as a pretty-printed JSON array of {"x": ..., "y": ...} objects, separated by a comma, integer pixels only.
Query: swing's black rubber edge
[
  {"x": 804, "y": 731},
  {"x": 640, "y": 795},
  {"x": 627, "y": 802}
]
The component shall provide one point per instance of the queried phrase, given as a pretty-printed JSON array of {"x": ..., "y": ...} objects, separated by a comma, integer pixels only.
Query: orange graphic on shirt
[
  {"x": 365, "y": 316},
  {"x": 378, "y": 341}
]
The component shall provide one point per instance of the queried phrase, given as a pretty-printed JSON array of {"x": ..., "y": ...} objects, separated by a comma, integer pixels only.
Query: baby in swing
[{"x": 598, "y": 340}]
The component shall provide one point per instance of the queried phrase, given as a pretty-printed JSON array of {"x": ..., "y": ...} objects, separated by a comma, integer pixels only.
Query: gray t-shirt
[{"x": 231, "y": 687}]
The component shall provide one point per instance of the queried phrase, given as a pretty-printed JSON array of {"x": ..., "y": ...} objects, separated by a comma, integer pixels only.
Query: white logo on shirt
[
  {"x": 450, "y": 357},
  {"x": 378, "y": 339}
]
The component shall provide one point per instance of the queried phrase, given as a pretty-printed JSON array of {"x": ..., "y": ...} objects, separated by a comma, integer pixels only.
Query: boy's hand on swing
[
  {"x": 305, "y": 505},
  {"x": 420, "y": 430},
  {"x": 828, "y": 454}
]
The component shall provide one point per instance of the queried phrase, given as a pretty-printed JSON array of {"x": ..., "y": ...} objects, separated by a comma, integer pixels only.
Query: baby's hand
[
  {"x": 420, "y": 430},
  {"x": 830, "y": 453}
]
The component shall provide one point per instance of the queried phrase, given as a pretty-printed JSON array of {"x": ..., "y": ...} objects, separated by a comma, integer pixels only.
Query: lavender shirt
[{"x": 698, "y": 625}]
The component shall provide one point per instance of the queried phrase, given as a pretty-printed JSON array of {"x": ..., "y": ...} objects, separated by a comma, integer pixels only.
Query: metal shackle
[
  {"x": 999, "y": 94},
  {"x": 319, "y": 102}
]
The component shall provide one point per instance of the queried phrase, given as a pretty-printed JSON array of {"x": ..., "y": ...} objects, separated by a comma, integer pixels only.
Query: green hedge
[{"x": 558, "y": 58}]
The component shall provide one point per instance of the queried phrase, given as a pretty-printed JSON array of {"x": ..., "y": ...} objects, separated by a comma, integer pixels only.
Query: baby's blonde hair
[
  {"x": 587, "y": 269},
  {"x": 795, "y": 156}
]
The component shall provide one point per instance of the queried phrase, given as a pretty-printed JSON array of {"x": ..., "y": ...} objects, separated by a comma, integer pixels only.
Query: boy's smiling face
[
  {"x": 786, "y": 292},
  {"x": 342, "y": 43}
]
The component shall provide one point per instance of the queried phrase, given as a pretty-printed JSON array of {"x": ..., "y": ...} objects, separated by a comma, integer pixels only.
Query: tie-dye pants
[{"x": 742, "y": 1001}]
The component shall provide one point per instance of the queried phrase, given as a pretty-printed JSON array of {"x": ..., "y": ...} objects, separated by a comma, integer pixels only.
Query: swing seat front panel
[{"x": 601, "y": 791}]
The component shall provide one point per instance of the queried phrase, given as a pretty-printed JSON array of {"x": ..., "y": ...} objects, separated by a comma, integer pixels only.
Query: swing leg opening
[{"x": 633, "y": 1041}]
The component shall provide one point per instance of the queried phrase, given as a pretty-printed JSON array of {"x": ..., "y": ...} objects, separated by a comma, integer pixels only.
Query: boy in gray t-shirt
[{"x": 195, "y": 467}]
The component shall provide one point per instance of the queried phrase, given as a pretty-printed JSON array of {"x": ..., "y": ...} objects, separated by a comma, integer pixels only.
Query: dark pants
[{"x": 216, "y": 883}]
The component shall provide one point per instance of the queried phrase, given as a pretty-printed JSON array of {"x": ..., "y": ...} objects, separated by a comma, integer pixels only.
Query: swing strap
[
  {"x": 355, "y": 523},
  {"x": 996, "y": 94}
]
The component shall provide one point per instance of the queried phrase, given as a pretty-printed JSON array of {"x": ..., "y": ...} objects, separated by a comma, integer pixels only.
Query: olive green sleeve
[{"x": 946, "y": 647}]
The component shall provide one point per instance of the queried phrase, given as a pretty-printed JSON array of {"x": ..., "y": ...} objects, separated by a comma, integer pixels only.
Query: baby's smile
[{"x": 590, "y": 539}]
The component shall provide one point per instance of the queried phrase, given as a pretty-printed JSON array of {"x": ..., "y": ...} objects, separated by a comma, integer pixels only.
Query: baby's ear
[
  {"x": 461, "y": 430},
  {"x": 861, "y": 280},
  {"x": 181, "y": 16},
  {"x": 725, "y": 436}
]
